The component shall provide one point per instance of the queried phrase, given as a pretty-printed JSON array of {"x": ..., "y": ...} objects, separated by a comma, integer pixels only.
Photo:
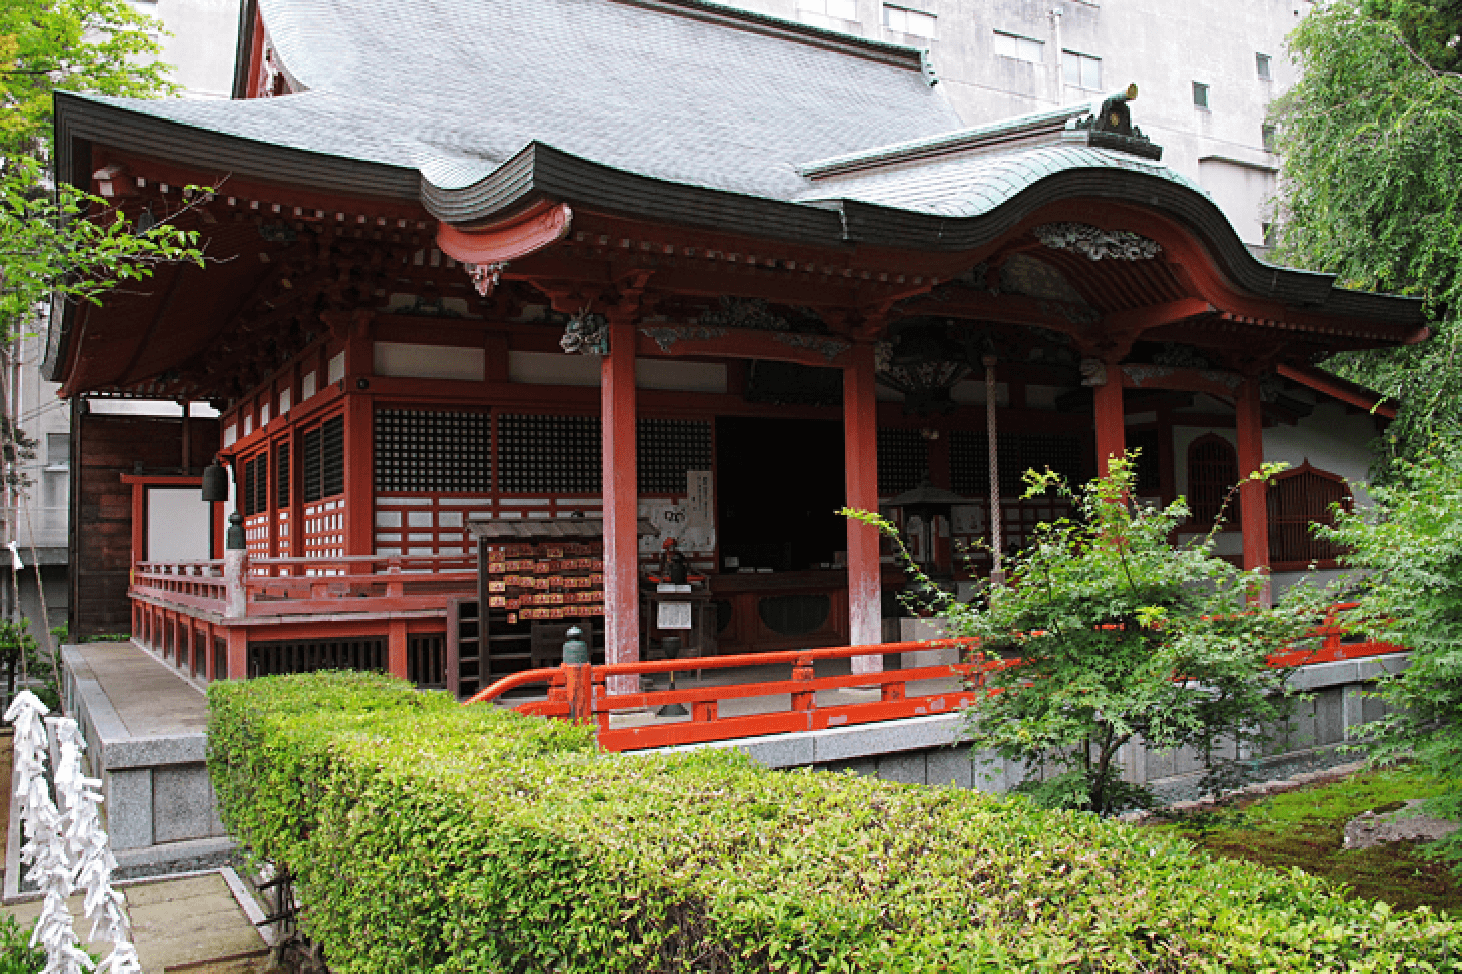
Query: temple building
[{"x": 504, "y": 319}]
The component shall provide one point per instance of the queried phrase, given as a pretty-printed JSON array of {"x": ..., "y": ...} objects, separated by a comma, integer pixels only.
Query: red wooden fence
[{"x": 580, "y": 693}]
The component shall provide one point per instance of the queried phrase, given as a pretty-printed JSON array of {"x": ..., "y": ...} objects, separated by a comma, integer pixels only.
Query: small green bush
[
  {"x": 427, "y": 836},
  {"x": 17, "y": 956}
]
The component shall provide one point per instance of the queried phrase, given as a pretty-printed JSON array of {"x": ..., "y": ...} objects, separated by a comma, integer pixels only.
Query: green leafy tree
[
  {"x": 106, "y": 47},
  {"x": 1371, "y": 185},
  {"x": 1112, "y": 634},
  {"x": 1410, "y": 543},
  {"x": 62, "y": 241}
]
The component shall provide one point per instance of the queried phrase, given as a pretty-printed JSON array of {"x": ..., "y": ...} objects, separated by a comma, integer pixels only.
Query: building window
[
  {"x": 1213, "y": 469},
  {"x": 322, "y": 470},
  {"x": 1200, "y": 95},
  {"x": 908, "y": 21},
  {"x": 1267, "y": 135},
  {"x": 1261, "y": 63},
  {"x": 1299, "y": 500},
  {"x": 254, "y": 498},
  {"x": 1019, "y": 48},
  {"x": 1081, "y": 70},
  {"x": 817, "y": 11},
  {"x": 58, "y": 451}
]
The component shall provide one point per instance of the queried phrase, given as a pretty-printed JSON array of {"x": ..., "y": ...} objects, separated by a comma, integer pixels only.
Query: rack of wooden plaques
[
  {"x": 538, "y": 577},
  {"x": 535, "y": 593}
]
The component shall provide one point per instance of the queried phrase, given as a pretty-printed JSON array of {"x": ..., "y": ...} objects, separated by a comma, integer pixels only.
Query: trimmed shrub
[{"x": 427, "y": 836}]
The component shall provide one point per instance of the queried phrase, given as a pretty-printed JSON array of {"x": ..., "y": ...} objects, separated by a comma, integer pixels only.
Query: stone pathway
[{"x": 190, "y": 923}]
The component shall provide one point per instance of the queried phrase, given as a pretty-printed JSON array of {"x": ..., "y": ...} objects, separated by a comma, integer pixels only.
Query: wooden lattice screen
[
  {"x": 903, "y": 459},
  {"x": 1298, "y": 500},
  {"x": 1213, "y": 469}
]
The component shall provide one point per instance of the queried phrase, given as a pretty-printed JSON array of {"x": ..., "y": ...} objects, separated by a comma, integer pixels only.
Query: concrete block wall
[{"x": 158, "y": 802}]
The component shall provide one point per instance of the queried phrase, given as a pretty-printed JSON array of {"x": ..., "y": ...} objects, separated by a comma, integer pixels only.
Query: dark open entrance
[{"x": 779, "y": 486}]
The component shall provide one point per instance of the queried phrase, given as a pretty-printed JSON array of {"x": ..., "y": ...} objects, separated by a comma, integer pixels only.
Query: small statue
[{"x": 1093, "y": 372}]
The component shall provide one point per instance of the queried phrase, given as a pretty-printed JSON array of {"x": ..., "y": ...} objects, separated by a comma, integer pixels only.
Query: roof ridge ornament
[
  {"x": 1094, "y": 243},
  {"x": 1110, "y": 126}
]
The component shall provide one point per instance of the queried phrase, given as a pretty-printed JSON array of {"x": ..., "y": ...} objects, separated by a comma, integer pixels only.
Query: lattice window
[
  {"x": 322, "y": 473},
  {"x": 433, "y": 451},
  {"x": 254, "y": 495},
  {"x": 281, "y": 476},
  {"x": 1298, "y": 500},
  {"x": 1213, "y": 469},
  {"x": 1149, "y": 460},
  {"x": 969, "y": 460},
  {"x": 550, "y": 454},
  {"x": 324, "y": 530},
  {"x": 903, "y": 460},
  {"x": 666, "y": 449}
]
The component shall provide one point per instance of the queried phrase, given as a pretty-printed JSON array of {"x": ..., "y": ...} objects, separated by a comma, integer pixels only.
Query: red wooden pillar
[
  {"x": 860, "y": 461},
  {"x": 1111, "y": 419},
  {"x": 396, "y": 638},
  {"x": 621, "y": 502},
  {"x": 1253, "y": 500},
  {"x": 237, "y": 638},
  {"x": 360, "y": 486}
]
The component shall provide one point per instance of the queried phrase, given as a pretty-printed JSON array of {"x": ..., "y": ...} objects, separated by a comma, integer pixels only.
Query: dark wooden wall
[{"x": 104, "y": 447}]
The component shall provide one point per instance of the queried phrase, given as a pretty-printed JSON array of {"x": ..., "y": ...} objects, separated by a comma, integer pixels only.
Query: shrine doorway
[{"x": 779, "y": 485}]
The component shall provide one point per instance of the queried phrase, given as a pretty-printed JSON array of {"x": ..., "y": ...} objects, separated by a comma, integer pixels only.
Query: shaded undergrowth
[{"x": 1305, "y": 829}]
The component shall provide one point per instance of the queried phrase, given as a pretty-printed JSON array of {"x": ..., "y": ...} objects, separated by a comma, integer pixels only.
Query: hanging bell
[{"x": 215, "y": 483}]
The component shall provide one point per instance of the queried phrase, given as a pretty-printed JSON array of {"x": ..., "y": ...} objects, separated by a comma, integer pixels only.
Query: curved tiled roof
[
  {"x": 973, "y": 185},
  {"x": 682, "y": 91}
]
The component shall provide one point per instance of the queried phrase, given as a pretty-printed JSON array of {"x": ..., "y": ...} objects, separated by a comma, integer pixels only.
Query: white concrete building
[{"x": 1207, "y": 71}]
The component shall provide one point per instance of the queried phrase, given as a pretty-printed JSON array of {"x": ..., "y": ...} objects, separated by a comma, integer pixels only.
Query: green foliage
[
  {"x": 1305, "y": 829},
  {"x": 1123, "y": 636},
  {"x": 71, "y": 244},
  {"x": 61, "y": 242},
  {"x": 426, "y": 836},
  {"x": 21, "y": 656},
  {"x": 1371, "y": 185},
  {"x": 105, "y": 47},
  {"x": 1410, "y": 542},
  {"x": 17, "y": 956}
]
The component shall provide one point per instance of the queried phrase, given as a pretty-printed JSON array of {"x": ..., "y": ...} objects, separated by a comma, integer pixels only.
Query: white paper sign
[{"x": 673, "y": 615}]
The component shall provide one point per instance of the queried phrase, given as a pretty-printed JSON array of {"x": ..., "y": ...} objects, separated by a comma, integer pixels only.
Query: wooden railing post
[
  {"x": 235, "y": 567},
  {"x": 803, "y": 672}
]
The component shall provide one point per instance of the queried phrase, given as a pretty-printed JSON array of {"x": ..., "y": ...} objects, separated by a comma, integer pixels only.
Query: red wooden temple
[{"x": 612, "y": 261}]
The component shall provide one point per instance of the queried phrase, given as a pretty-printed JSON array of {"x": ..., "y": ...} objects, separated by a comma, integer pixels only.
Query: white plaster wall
[
  {"x": 1331, "y": 438},
  {"x": 558, "y": 369}
]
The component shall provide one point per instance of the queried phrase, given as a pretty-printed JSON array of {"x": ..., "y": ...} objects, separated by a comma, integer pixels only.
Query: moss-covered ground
[{"x": 1305, "y": 829}]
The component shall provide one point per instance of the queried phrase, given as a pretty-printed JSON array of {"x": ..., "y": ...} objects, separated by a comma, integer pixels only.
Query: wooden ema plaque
[{"x": 546, "y": 581}]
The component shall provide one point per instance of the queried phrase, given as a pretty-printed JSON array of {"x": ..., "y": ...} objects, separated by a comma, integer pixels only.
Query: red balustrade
[{"x": 580, "y": 693}]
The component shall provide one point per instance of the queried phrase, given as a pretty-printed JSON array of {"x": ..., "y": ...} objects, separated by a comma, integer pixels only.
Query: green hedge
[{"x": 427, "y": 836}]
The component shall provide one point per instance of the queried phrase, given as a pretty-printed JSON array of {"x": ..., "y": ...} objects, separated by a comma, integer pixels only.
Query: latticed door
[{"x": 1298, "y": 500}]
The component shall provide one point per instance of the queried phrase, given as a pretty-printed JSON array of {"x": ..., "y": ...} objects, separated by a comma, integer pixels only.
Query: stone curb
[{"x": 1273, "y": 787}]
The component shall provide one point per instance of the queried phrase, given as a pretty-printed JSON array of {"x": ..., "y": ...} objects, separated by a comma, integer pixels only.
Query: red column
[
  {"x": 360, "y": 484},
  {"x": 860, "y": 461},
  {"x": 396, "y": 638},
  {"x": 1253, "y": 502},
  {"x": 1111, "y": 420},
  {"x": 621, "y": 503}
]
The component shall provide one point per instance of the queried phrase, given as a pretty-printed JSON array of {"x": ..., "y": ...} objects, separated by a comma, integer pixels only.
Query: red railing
[
  {"x": 582, "y": 694},
  {"x": 275, "y": 587},
  {"x": 191, "y": 584},
  {"x": 356, "y": 583}
]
